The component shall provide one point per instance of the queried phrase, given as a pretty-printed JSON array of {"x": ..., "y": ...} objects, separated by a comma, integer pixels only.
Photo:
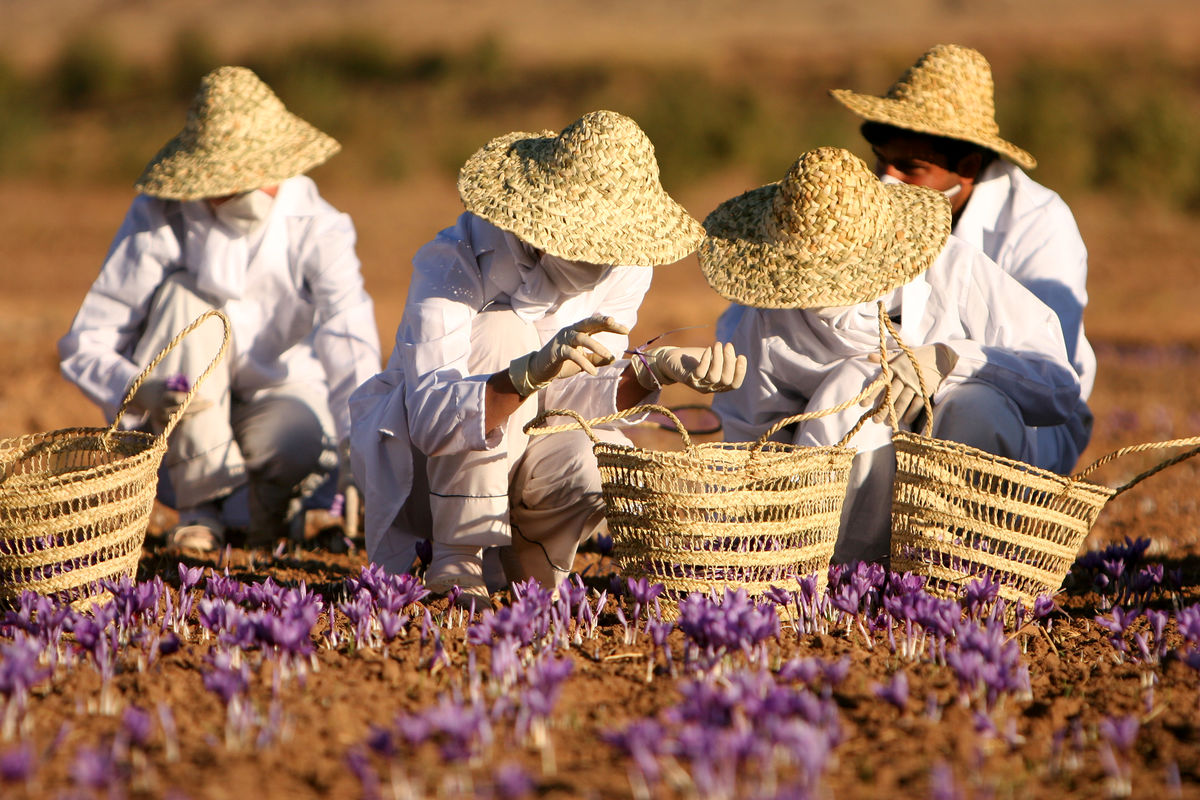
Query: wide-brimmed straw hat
[
  {"x": 948, "y": 92},
  {"x": 238, "y": 137},
  {"x": 590, "y": 193},
  {"x": 829, "y": 234}
]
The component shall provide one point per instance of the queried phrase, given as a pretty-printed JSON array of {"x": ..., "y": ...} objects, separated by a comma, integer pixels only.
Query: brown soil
[{"x": 1141, "y": 318}]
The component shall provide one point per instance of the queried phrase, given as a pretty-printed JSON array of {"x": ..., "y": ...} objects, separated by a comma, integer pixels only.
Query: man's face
[{"x": 912, "y": 160}]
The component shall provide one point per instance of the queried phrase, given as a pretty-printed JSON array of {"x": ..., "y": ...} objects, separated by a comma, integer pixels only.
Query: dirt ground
[{"x": 1141, "y": 319}]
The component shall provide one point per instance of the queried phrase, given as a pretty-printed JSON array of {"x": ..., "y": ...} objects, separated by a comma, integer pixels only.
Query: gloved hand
[
  {"x": 935, "y": 361},
  {"x": 160, "y": 402},
  {"x": 570, "y": 351},
  {"x": 705, "y": 369}
]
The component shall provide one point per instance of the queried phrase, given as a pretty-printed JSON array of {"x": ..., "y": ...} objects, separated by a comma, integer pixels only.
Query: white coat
[
  {"x": 426, "y": 398},
  {"x": 296, "y": 301},
  {"x": 1030, "y": 233},
  {"x": 1003, "y": 335}
]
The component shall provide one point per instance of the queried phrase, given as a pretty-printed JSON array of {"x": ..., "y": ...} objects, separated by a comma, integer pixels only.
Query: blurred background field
[{"x": 1106, "y": 95}]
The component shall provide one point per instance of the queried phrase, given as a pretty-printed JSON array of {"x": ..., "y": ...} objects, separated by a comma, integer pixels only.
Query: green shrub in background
[{"x": 1123, "y": 122}]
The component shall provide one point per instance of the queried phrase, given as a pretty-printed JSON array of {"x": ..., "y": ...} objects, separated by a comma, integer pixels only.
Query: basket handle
[
  {"x": 537, "y": 426},
  {"x": 825, "y": 412},
  {"x": 171, "y": 345},
  {"x": 1191, "y": 441}
]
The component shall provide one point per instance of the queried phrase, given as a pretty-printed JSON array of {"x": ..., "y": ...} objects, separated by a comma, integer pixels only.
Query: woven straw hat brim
[
  {"x": 186, "y": 170},
  {"x": 512, "y": 183},
  {"x": 744, "y": 263},
  {"x": 901, "y": 114}
]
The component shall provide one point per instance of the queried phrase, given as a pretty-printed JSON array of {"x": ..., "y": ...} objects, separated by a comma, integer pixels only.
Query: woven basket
[
  {"x": 959, "y": 513},
  {"x": 716, "y": 515},
  {"x": 75, "y": 503}
]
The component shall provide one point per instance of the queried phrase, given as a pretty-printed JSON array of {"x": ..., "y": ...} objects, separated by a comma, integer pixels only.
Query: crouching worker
[
  {"x": 226, "y": 219},
  {"x": 523, "y": 305},
  {"x": 807, "y": 258}
]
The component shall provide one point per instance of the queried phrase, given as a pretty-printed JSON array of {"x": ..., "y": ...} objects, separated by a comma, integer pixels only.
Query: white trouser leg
[
  {"x": 203, "y": 461},
  {"x": 468, "y": 493},
  {"x": 283, "y": 435},
  {"x": 982, "y": 416},
  {"x": 556, "y": 504},
  {"x": 865, "y": 531}
]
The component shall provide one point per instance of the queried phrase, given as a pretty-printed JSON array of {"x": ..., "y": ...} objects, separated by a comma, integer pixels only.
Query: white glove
[
  {"x": 706, "y": 369},
  {"x": 154, "y": 398},
  {"x": 935, "y": 360},
  {"x": 570, "y": 351}
]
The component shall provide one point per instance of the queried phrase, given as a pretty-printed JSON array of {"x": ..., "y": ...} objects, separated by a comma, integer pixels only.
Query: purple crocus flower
[
  {"x": 1043, "y": 607},
  {"x": 136, "y": 726},
  {"x": 383, "y": 742},
  {"x": 941, "y": 783},
  {"x": 94, "y": 769},
  {"x": 1120, "y": 732},
  {"x": 368, "y": 779},
  {"x": 895, "y": 691},
  {"x": 227, "y": 680},
  {"x": 1187, "y": 620},
  {"x": 980, "y": 592},
  {"x": 178, "y": 383},
  {"x": 18, "y": 764},
  {"x": 512, "y": 782}
]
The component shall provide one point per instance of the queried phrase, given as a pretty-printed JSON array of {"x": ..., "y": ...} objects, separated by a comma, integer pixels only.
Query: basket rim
[
  {"x": 771, "y": 448},
  {"x": 912, "y": 439},
  {"x": 150, "y": 447}
]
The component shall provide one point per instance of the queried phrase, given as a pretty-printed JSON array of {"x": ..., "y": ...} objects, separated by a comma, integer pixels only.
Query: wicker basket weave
[
  {"x": 959, "y": 513},
  {"x": 75, "y": 503},
  {"x": 715, "y": 515}
]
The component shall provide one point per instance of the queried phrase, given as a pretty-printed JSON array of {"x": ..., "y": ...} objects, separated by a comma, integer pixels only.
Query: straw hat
[
  {"x": 948, "y": 92},
  {"x": 590, "y": 193},
  {"x": 829, "y": 234},
  {"x": 238, "y": 137}
]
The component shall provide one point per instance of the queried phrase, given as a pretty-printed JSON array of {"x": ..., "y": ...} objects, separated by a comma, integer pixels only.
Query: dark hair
[{"x": 955, "y": 150}]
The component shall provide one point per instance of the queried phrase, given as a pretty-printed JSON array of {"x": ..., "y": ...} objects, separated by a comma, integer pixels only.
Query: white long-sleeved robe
[
  {"x": 1030, "y": 233},
  {"x": 1003, "y": 335},
  {"x": 303, "y": 316},
  {"x": 426, "y": 397}
]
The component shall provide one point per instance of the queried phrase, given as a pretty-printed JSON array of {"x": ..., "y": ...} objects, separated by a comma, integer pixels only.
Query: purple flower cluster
[
  {"x": 736, "y": 736},
  {"x": 716, "y": 627},
  {"x": 1121, "y": 574},
  {"x": 987, "y": 663}
]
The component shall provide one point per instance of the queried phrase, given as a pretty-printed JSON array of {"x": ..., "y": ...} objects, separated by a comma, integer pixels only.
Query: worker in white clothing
[
  {"x": 523, "y": 305},
  {"x": 226, "y": 219},
  {"x": 936, "y": 127},
  {"x": 808, "y": 258}
]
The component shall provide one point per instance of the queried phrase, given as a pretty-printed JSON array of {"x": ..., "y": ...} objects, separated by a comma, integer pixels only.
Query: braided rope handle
[
  {"x": 1191, "y": 441},
  {"x": 870, "y": 389},
  {"x": 171, "y": 345},
  {"x": 537, "y": 426}
]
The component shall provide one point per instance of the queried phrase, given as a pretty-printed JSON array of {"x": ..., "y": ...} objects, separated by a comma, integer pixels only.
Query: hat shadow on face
[{"x": 948, "y": 92}]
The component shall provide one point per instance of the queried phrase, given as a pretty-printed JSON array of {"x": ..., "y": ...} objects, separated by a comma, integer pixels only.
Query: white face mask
[
  {"x": 892, "y": 180},
  {"x": 245, "y": 212},
  {"x": 572, "y": 277}
]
